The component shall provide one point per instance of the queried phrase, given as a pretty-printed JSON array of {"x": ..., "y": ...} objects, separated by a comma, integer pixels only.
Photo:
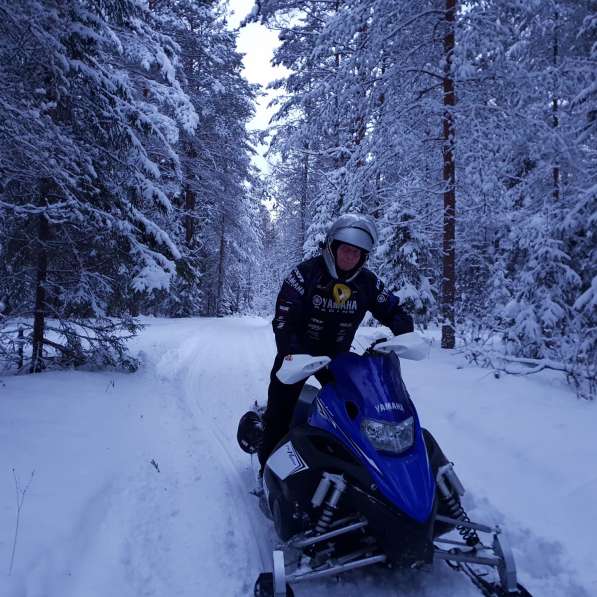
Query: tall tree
[
  {"x": 449, "y": 177},
  {"x": 372, "y": 92}
]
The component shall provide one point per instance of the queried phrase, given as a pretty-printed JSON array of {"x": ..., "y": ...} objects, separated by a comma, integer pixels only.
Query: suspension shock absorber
[
  {"x": 331, "y": 504},
  {"x": 451, "y": 489}
]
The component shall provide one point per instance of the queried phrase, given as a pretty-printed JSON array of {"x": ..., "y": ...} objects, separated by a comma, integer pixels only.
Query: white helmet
[{"x": 353, "y": 229}]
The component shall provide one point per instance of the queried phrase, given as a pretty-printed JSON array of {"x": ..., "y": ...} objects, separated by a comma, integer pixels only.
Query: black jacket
[{"x": 316, "y": 314}]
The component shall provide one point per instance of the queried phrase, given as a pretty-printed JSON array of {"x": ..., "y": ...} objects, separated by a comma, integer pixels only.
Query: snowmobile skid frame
[{"x": 460, "y": 556}]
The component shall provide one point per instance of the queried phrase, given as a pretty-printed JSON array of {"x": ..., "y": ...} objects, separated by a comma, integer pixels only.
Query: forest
[{"x": 467, "y": 130}]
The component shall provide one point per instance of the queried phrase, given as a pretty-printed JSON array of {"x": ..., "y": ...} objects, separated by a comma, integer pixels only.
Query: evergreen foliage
[
  {"x": 126, "y": 185},
  {"x": 363, "y": 118},
  {"x": 123, "y": 146}
]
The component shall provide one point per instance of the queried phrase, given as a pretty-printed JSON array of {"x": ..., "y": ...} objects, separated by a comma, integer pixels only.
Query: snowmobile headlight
[{"x": 389, "y": 437}]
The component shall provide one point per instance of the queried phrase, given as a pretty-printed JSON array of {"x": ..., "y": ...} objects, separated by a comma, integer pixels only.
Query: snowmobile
[{"x": 358, "y": 482}]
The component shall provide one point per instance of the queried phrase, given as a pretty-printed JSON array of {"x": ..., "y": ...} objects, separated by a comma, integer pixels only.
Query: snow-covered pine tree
[
  {"x": 405, "y": 258},
  {"x": 520, "y": 139},
  {"x": 214, "y": 203},
  {"x": 322, "y": 116},
  {"x": 93, "y": 110},
  {"x": 533, "y": 101}
]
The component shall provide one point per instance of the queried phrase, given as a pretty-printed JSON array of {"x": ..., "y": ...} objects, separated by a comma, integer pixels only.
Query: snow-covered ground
[{"x": 100, "y": 519}]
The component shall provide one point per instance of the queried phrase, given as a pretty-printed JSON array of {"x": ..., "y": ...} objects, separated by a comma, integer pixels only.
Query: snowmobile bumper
[{"x": 403, "y": 541}]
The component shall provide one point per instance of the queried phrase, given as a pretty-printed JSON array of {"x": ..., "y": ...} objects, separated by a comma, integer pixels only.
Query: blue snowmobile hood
[{"x": 373, "y": 384}]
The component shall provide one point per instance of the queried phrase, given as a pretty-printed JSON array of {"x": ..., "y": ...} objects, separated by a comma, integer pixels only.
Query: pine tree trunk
[
  {"x": 40, "y": 297},
  {"x": 449, "y": 177},
  {"x": 381, "y": 100},
  {"x": 304, "y": 201},
  {"x": 340, "y": 159},
  {"x": 189, "y": 205},
  {"x": 221, "y": 258}
]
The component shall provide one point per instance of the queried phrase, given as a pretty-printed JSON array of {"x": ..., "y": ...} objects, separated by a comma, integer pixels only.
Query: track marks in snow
[
  {"x": 223, "y": 373},
  {"x": 207, "y": 373}
]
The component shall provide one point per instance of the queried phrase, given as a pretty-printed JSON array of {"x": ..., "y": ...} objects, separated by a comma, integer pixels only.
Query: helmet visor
[{"x": 359, "y": 237}]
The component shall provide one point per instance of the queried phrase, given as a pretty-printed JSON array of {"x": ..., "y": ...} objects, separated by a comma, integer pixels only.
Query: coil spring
[
  {"x": 457, "y": 511},
  {"x": 325, "y": 520}
]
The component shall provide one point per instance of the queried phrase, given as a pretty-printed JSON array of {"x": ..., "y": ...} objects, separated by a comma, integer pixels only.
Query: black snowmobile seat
[{"x": 303, "y": 404}]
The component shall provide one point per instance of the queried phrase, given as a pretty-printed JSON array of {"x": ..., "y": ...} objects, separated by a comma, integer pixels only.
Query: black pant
[{"x": 281, "y": 400}]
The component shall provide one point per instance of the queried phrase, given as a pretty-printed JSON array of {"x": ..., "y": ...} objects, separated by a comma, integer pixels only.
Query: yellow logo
[{"x": 341, "y": 293}]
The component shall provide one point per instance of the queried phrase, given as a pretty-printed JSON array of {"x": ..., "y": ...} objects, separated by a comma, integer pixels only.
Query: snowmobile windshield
[{"x": 374, "y": 384}]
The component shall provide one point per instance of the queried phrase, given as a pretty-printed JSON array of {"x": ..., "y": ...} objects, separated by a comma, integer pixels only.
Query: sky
[{"x": 257, "y": 43}]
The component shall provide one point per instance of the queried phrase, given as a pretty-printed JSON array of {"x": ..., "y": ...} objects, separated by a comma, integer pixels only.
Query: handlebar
[{"x": 371, "y": 348}]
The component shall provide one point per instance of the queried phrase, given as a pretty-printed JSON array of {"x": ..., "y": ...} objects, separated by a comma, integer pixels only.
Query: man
[{"x": 319, "y": 308}]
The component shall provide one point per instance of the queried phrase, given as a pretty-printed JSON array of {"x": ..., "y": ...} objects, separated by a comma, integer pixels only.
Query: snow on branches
[{"x": 100, "y": 114}]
